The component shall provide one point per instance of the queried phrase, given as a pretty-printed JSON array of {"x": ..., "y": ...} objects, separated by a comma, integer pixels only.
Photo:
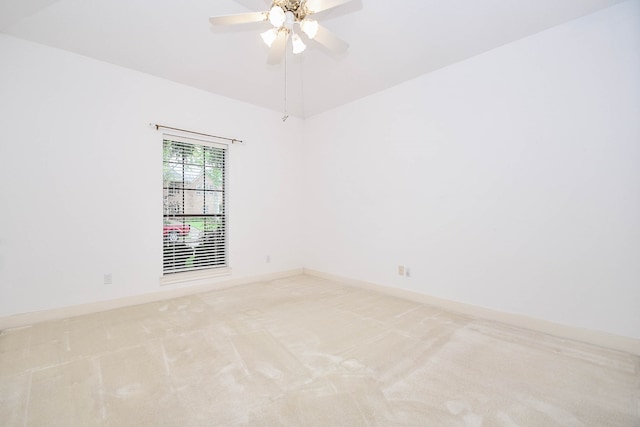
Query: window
[{"x": 194, "y": 198}]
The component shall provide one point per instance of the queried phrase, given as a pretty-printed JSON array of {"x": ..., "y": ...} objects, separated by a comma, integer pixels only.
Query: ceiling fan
[{"x": 286, "y": 18}]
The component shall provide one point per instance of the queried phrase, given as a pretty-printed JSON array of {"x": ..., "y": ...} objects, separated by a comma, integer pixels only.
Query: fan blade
[
  {"x": 278, "y": 48},
  {"x": 330, "y": 40},
  {"x": 254, "y": 4},
  {"x": 316, "y": 6},
  {"x": 243, "y": 18}
]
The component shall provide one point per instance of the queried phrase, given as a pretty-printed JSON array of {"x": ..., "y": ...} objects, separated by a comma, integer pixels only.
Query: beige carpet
[{"x": 305, "y": 352}]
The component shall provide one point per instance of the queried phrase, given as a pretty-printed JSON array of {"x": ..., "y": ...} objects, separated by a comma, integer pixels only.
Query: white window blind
[{"x": 194, "y": 198}]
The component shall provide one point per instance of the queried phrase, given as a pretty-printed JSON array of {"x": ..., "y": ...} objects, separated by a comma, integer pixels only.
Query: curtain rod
[{"x": 233, "y": 140}]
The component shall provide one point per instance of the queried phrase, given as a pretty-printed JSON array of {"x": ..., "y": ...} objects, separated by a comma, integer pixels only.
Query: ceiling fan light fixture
[
  {"x": 277, "y": 16},
  {"x": 269, "y": 36},
  {"x": 297, "y": 44},
  {"x": 309, "y": 27}
]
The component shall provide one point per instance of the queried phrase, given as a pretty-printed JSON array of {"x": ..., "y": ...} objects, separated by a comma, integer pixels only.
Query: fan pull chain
[{"x": 286, "y": 47}]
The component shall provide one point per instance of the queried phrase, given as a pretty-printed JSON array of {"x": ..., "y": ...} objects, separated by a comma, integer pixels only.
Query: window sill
[{"x": 194, "y": 275}]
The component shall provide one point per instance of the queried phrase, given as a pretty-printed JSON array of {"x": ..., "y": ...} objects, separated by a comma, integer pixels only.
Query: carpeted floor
[{"x": 305, "y": 352}]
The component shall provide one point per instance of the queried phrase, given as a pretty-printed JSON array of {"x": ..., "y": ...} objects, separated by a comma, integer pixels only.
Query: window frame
[{"x": 205, "y": 271}]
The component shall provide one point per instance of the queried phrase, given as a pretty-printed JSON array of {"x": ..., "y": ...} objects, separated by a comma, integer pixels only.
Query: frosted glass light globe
[
  {"x": 297, "y": 44},
  {"x": 309, "y": 27},
  {"x": 276, "y": 16},
  {"x": 269, "y": 36}
]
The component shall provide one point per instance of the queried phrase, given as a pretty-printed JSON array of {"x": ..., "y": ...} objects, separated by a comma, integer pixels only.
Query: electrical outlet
[
  {"x": 268, "y": 259},
  {"x": 108, "y": 279},
  {"x": 407, "y": 272},
  {"x": 401, "y": 270}
]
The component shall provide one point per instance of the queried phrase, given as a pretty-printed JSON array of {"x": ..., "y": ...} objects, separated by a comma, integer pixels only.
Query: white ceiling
[{"x": 390, "y": 41}]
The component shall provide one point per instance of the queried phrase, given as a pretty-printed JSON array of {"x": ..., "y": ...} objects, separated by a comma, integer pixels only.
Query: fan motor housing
[{"x": 297, "y": 7}]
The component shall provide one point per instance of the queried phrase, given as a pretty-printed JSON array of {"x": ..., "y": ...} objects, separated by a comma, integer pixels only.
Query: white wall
[
  {"x": 509, "y": 181},
  {"x": 80, "y": 178}
]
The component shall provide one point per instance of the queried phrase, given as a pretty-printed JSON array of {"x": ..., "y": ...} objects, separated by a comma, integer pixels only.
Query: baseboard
[
  {"x": 602, "y": 339},
  {"x": 26, "y": 319}
]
